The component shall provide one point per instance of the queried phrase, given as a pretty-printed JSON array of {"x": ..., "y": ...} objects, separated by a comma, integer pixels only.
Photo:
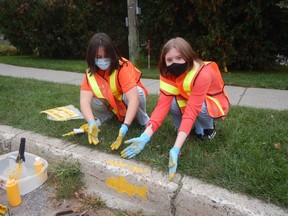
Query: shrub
[{"x": 7, "y": 50}]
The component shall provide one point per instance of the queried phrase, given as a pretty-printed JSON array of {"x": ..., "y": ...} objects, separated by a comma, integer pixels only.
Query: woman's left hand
[
  {"x": 118, "y": 142},
  {"x": 173, "y": 162}
]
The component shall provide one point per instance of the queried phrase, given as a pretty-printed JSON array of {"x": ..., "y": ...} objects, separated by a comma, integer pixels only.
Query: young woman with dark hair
[{"x": 111, "y": 87}]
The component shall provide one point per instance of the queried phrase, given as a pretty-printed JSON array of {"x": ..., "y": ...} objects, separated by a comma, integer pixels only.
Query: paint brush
[{"x": 21, "y": 156}]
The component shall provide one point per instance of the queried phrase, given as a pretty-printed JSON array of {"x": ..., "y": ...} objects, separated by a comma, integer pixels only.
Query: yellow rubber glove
[
  {"x": 85, "y": 127},
  {"x": 122, "y": 132},
  {"x": 93, "y": 131}
]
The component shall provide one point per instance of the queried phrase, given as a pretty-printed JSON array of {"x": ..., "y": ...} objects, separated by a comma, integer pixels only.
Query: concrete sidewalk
[
  {"x": 127, "y": 184},
  {"x": 250, "y": 97}
]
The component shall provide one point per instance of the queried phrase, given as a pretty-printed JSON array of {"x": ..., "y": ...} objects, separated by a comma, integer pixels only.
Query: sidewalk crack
[
  {"x": 174, "y": 196},
  {"x": 242, "y": 95}
]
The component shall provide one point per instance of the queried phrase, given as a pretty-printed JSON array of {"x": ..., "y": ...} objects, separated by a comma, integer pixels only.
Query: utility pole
[{"x": 133, "y": 36}]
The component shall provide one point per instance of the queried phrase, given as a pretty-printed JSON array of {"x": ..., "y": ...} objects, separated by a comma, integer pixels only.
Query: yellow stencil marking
[
  {"x": 116, "y": 163},
  {"x": 137, "y": 169},
  {"x": 121, "y": 185},
  {"x": 60, "y": 113},
  {"x": 123, "y": 165}
]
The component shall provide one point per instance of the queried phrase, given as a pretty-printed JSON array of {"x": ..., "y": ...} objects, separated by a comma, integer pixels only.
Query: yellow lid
[{"x": 11, "y": 182}]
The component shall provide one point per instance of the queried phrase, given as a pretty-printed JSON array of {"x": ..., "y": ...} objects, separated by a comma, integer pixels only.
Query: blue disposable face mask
[{"x": 103, "y": 63}]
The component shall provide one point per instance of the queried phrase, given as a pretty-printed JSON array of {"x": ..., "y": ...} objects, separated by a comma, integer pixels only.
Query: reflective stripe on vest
[
  {"x": 214, "y": 107},
  {"x": 113, "y": 86},
  {"x": 94, "y": 85},
  {"x": 112, "y": 83},
  {"x": 188, "y": 79},
  {"x": 168, "y": 87},
  {"x": 182, "y": 103}
]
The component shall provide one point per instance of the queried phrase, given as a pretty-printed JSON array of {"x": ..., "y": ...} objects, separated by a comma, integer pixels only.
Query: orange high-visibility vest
[
  {"x": 183, "y": 86},
  {"x": 111, "y": 91}
]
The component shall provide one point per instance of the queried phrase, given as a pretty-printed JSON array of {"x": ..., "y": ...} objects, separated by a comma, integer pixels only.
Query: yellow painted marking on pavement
[
  {"x": 124, "y": 165},
  {"x": 121, "y": 185},
  {"x": 138, "y": 169},
  {"x": 116, "y": 163}
]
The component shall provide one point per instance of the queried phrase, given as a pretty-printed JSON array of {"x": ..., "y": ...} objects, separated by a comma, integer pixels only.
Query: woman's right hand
[{"x": 93, "y": 131}]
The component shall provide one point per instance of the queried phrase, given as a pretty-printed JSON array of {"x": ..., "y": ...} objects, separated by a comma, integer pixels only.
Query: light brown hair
[{"x": 185, "y": 50}]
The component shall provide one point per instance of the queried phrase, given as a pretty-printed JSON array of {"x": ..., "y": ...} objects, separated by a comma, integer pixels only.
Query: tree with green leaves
[{"x": 236, "y": 34}]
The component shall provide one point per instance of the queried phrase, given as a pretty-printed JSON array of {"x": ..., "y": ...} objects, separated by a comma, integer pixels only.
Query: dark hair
[
  {"x": 102, "y": 40},
  {"x": 183, "y": 47}
]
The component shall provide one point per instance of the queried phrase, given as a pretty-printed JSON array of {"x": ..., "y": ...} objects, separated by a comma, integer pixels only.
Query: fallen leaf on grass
[{"x": 277, "y": 145}]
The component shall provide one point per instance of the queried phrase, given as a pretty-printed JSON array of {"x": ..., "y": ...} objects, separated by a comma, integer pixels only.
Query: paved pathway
[{"x": 251, "y": 97}]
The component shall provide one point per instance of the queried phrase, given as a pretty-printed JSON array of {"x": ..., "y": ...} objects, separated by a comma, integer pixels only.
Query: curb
[{"x": 127, "y": 185}]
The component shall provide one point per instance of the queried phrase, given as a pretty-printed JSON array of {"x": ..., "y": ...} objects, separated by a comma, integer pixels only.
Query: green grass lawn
[{"x": 242, "y": 158}]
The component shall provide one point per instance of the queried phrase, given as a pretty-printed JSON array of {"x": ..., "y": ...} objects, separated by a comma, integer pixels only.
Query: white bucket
[{"x": 29, "y": 180}]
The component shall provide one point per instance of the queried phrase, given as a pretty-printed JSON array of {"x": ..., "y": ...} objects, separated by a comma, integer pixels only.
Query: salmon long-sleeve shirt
[{"x": 206, "y": 83}]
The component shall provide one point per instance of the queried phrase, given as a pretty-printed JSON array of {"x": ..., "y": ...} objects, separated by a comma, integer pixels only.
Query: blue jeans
[
  {"x": 100, "y": 108},
  {"x": 203, "y": 120}
]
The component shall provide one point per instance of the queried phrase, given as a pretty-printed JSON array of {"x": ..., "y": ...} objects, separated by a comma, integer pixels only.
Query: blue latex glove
[
  {"x": 173, "y": 162},
  {"x": 122, "y": 132},
  {"x": 136, "y": 147},
  {"x": 93, "y": 131}
]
